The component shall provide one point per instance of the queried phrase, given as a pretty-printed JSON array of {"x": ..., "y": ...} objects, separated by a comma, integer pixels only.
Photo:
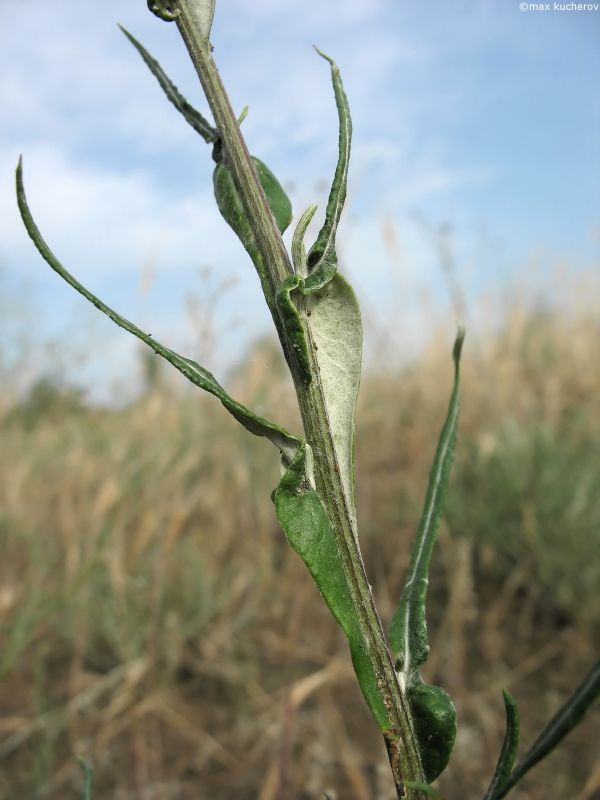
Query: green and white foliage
[
  {"x": 321, "y": 313},
  {"x": 318, "y": 320}
]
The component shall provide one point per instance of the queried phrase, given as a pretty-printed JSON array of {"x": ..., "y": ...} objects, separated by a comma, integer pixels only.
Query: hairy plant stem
[{"x": 400, "y": 739}]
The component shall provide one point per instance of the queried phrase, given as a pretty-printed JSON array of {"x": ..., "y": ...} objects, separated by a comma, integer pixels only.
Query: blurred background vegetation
[{"x": 155, "y": 621}]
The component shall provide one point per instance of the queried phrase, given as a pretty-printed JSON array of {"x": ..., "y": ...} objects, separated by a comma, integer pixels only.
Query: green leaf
[
  {"x": 233, "y": 212},
  {"x": 298, "y": 251},
  {"x": 284, "y": 441},
  {"x": 434, "y": 723},
  {"x": 232, "y": 209},
  {"x": 509, "y": 746},
  {"x": 307, "y": 528},
  {"x": 562, "y": 723},
  {"x": 292, "y": 324},
  {"x": 191, "y": 115},
  {"x": 88, "y": 779},
  {"x": 279, "y": 202},
  {"x": 322, "y": 258},
  {"x": 408, "y": 628}
]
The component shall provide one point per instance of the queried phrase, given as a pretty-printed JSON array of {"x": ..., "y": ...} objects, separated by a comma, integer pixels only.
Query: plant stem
[{"x": 400, "y": 740}]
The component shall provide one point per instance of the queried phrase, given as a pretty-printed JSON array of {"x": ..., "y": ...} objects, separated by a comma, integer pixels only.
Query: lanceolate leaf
[
  {"x": 322, "y": 258},
  {"x": 509, "y": 746},
  {"x": 292, "y": 323},
  {"x": 298, "y": 250},
  {"x": 408, "y": 629},
  {"x": 335, "y": 328},
  {"x": 233, "y": 212},
  {"x": 562, "y": 723},
  {"x": 283, "y": 440},
  {"x": 194, "y": 117},
  {"x": 306, "y": 526}
]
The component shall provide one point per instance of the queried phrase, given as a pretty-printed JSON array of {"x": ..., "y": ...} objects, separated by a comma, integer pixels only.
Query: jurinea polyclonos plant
[{"x": 318, "y": 322}]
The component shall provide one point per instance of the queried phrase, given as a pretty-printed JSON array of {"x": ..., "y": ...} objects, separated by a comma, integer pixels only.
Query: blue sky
[{"x": 471, "y": 114}]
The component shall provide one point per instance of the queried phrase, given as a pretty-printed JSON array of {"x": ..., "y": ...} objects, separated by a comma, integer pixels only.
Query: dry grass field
[{"x": 154, "y": 620}]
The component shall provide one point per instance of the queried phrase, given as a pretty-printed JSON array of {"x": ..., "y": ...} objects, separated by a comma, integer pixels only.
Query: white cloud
[{"x": 102, "y": 221}]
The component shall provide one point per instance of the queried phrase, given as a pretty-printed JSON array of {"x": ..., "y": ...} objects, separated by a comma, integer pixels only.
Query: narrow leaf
[
  {"x": 509, "y": 746},
  {"x": 307, "y": 528},
  {"x": 327, "y": 322},
  {"x": 335, "y": 328},
  {"x": 88, "y": 779},
  {"x": 259, "y": 426},
  {"x": 191, "y": 115},
  {"x": 292, "y": 324},
  {"x": 561, "y": 724},
  {"x": 233, "y": 212},
  {"x": 298, "y": 251},
  {"x": 322, "y": 258},
  {"x": 279, "y": 202},
  {"x": 408, "y": 629}
]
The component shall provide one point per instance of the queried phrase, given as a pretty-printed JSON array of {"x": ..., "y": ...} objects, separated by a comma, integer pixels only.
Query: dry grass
[{"x": 155, "y": 621}]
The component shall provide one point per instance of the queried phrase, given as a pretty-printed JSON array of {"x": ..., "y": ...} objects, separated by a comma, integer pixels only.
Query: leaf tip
[
  {"x": 509, "y": 700},
  {"x": 19, "y": 176},
  {"x": 458, "y": 344},
  {"x": 334, "y": 66},
  {"x": 126, "y": 33},
  {"x": 307, "y": 216},
  {"x": 130, "y": 36}
]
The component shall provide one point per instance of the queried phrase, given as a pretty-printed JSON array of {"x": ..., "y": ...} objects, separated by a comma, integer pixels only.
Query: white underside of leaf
[{"x": 336, "y": 329}]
